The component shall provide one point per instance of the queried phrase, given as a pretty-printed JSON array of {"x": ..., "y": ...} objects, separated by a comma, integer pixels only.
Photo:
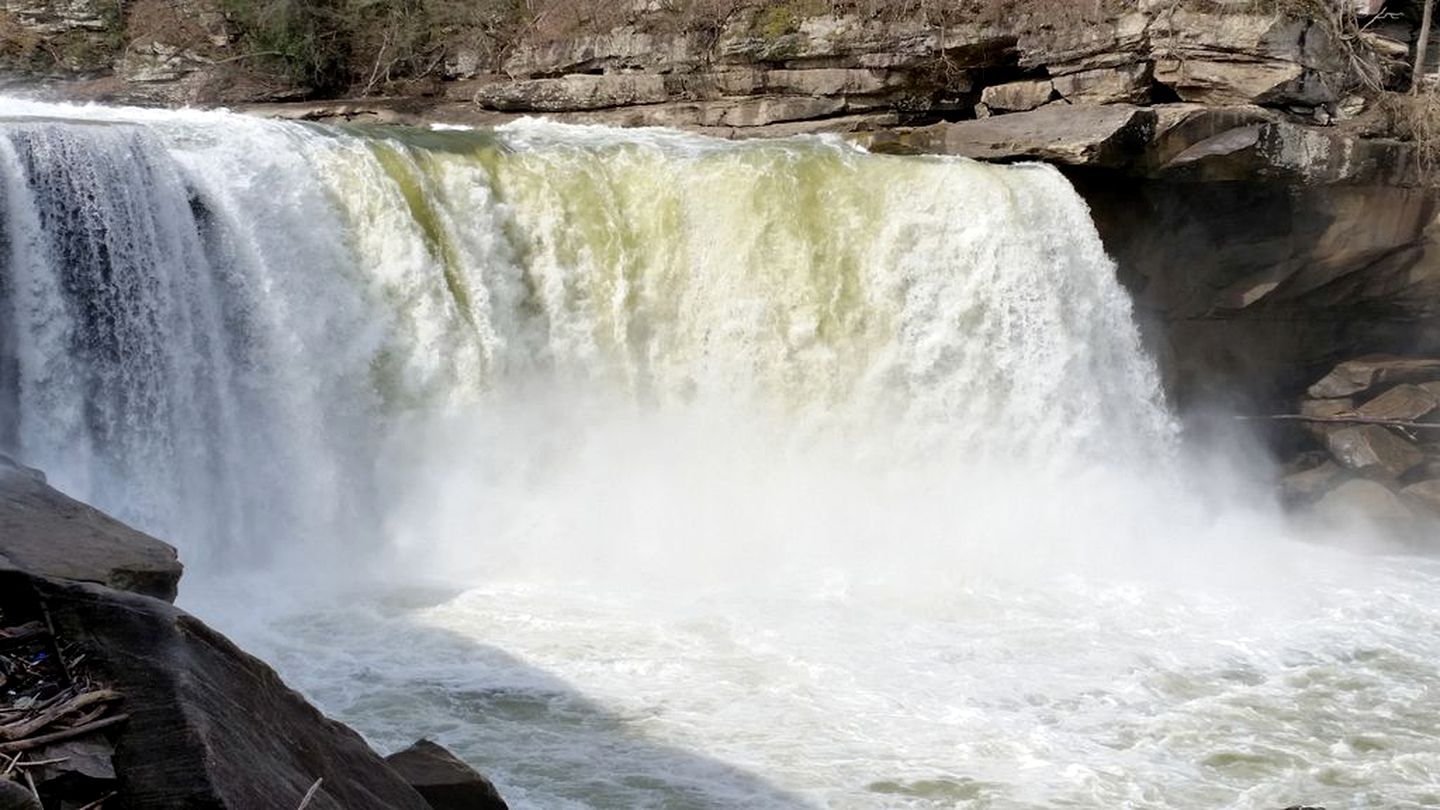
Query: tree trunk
[{"x": 1421, "y": 45}]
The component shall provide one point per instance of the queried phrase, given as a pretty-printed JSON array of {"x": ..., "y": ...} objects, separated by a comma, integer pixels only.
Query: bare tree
[{"x": 1422, "y": 44}]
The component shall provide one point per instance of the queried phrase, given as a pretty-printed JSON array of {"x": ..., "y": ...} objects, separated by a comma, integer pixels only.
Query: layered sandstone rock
[
  {"x": 45, "y": 532},
  {"x": 201, "y": 723}
]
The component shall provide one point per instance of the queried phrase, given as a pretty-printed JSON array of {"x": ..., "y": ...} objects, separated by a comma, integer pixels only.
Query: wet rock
[
  {"x": 1373, "y": 451},
  {"x": 1405, "y": 403},
  {"x": 445, "y": 781},
  {"x": 46, "y": 532},
  {"x": 1359, "y": 499},
  {"x": 1307, "y": 486},
  {"x": 1365, "y": 373},
  {"x": 209, "y": 726},
  {"x": 1425, "y": 495}
]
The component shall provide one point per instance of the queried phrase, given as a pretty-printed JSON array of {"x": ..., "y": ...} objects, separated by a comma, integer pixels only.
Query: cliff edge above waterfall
[{"x": 740, "y": 67}]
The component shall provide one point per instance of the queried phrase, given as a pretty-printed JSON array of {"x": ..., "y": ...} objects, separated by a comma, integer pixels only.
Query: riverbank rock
[
  {"x": 1361, "y": 501},
  {"x": 445, "y": 781},
  {"x": 1376, "y": 461},
  {"x": 1425, "y": 495},
  {"x": 188, "y": 719},
  {"x": 208, "y": 725},
  {"x": 45, "y": 532}
]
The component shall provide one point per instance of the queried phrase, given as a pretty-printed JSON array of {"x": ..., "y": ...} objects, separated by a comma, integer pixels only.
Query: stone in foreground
[
  {"x": 445, "y": 781},
  {"x": 45, "y": 532},
  {"x": 209, "y": 726}
]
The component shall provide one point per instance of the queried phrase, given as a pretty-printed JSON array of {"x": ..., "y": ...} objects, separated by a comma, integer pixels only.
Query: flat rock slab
[
  {"x": 1405, "y": 403},
  {"x": 1075, "y": 135},
  {"x": 445, "y": 781},
  {"x": 45, "y": 532},
  {"x": 1362, "y": 374}
]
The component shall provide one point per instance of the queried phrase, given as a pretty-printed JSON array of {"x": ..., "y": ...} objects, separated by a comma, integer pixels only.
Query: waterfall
[
  {"x": 213, "y": 325},
  {"x": 763, "y": 474}
]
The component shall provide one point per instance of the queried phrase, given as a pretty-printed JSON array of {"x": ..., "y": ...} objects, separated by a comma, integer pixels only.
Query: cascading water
[{"x": 827, "y": 479}]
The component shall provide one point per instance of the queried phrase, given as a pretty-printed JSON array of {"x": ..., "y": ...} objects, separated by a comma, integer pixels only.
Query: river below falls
[{"x": 1312, "y": 679}]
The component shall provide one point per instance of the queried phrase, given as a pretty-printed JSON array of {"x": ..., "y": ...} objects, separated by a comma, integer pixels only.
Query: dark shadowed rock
[
  {"x": 1362, "y": 374},
  {"x": 445, "y": 781},
  {"x": 209, "y": 726},
  {"x": 45, "y": 532},
  {"x": 1373, "y": 451},
  {"x": 15, "y": 797}
]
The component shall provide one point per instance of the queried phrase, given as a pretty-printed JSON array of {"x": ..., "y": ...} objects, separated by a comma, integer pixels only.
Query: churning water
[{"x": 645, "y": 470}]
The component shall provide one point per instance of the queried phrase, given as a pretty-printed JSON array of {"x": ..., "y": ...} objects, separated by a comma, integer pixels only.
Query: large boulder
[
  {"x": 1309, "y": 485},
  {"x": 445, "y": 781},
  {"x": 1367, "y": 501},
  {"x": 1230, "y": 57},
  {"x": 209, "y": 726},
  {"x": 45, "y": 532},
  {"x": 1373, "y": 451},
  {"x": 1425, "y": 495}
]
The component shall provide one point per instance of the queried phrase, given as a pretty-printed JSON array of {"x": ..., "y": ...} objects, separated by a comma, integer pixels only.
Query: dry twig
[
  {"x": 1343, "y": 420},
  {"x": 24, "y": 729},
  {"x": 310, "y": 794},
  {"x": 95, "y": 804},
  {"x": 59, "y": 736}
]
